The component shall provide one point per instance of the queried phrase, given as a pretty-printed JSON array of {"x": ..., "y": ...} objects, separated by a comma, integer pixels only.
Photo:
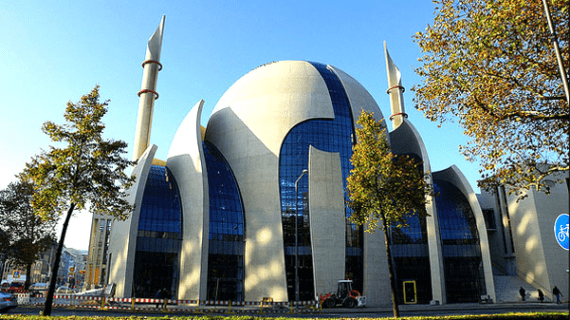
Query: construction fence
[{"x": 267, "y": 305}]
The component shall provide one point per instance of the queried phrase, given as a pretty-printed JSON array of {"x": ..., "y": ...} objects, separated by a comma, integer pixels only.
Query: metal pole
[
  {"x": 557, "y": 51},
  {"x": 297, "y": 238}
]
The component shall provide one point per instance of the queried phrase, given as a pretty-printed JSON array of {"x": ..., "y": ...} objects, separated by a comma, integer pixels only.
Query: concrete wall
[
  {"x": 539, "y": 259},
  {"x": 327, "y": 219},
  {"x": 376, "y": 277},
  {"x": 549, "y": 207},
  {"x": 502, "y": 255},
  {"x": 123, "y": 239},
  {"x": 186, "y": 161}
]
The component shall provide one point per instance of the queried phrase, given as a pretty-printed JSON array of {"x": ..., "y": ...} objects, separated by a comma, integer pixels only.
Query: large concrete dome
[{"x": 271, "y": 99}]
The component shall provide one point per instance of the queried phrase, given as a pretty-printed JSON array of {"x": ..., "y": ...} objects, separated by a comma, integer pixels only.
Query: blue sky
[{"x": 52, "y": 52}]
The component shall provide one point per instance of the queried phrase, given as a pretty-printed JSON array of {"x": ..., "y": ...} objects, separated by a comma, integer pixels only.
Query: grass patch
[{"x": 505, "y": 316}]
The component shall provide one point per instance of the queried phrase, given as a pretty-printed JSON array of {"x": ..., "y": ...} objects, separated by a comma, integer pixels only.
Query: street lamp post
[{"x": 297, "y": 237}]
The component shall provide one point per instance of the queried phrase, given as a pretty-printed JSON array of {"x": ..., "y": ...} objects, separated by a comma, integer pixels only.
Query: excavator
[{"x": 344, "y": 296}]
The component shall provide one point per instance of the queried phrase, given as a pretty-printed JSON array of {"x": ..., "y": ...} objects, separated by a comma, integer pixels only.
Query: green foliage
[
  {"x": 491, "y": 66},
  {"x": 26, "y": 235},
  {"x": 382, "y": 186},
  {"x": 88, "y": 170}
]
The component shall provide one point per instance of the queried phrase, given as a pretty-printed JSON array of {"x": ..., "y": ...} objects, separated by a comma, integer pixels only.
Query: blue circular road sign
[{"x": 561, "y": 230}]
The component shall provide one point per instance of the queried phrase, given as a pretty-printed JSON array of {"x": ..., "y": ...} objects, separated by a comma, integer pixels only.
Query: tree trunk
[
  {"x": 395, "y": 308},
  {"x": 28, "y": 276},
  {"x": 55, "y": 266}
]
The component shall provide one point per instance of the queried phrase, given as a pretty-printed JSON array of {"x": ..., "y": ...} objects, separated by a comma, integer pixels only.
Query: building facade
[
  {"x": 233, "y": 215},
  {"x": 70, "y": 272},
  {"x": 96, "y": 266},
  {"x": 527, "y": 239}
]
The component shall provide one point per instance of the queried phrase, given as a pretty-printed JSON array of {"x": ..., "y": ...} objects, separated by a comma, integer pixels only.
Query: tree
[
  {"x": 491, "y": 66},
  {"x": 27, "y": 234},
  {"x": 384, "y": 189},
  {"x": 87, "y": 171}
]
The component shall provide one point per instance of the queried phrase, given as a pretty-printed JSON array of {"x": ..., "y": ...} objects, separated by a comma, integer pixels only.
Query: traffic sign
[{"x": 561, "y": 230}]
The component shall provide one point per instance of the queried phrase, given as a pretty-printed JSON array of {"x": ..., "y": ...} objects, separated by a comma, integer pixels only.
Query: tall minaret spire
[
  {"x": 151, "y": 67},
  {"x": 395, "y": 90}
]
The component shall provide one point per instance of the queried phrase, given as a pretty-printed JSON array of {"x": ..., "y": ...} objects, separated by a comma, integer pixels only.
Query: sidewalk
[{"x": 526, "y": 305}]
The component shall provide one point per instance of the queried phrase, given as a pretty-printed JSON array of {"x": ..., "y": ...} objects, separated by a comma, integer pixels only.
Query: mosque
[{"x": 261, "y": 188}]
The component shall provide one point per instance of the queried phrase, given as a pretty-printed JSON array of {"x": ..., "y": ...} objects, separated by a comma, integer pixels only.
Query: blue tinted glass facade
[
  {"x": 409, "y": 247},
  {"x": 159, "y": 236},
  {"x": 226, "y": 230},
  {"x": 410, "y": 256},
  {"x": 330, "y": 136},
  {"x": 464, "y": 277},
  {"x": 414, "y": 233}
]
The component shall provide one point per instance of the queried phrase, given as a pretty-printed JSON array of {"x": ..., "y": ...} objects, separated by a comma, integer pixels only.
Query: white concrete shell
[
  {"x": 360, "y": 99},
  {"x": 405, "y": 139},
  {"x": 123, "y": 239},
  {"x": 248, "y": 126},
  {"x": 187, "y": 164},
  {"x": 454, "y": 176},
  {"x": 327, "y": 208}
]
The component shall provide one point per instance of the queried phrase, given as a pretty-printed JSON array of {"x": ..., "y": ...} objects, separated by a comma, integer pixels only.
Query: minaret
[
  {"x": 151, "y": 67},
  {"x": 395, "y": 90}
]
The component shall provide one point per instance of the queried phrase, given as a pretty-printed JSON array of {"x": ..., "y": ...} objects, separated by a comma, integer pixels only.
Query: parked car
[
  {"x": 15, "y": 286},
  {"x": 7, "y": 301}
]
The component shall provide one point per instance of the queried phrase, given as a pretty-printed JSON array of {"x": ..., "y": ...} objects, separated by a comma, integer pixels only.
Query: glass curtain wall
[
  {"x": 463, "y": 267},
  {"x": 330, "y": 136},
  {"x": 226, "y": 232},
  {"x": 410, "y": 258},
  {"x": 159, "y": 236},
  {"x": 410, "y": 255}
]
